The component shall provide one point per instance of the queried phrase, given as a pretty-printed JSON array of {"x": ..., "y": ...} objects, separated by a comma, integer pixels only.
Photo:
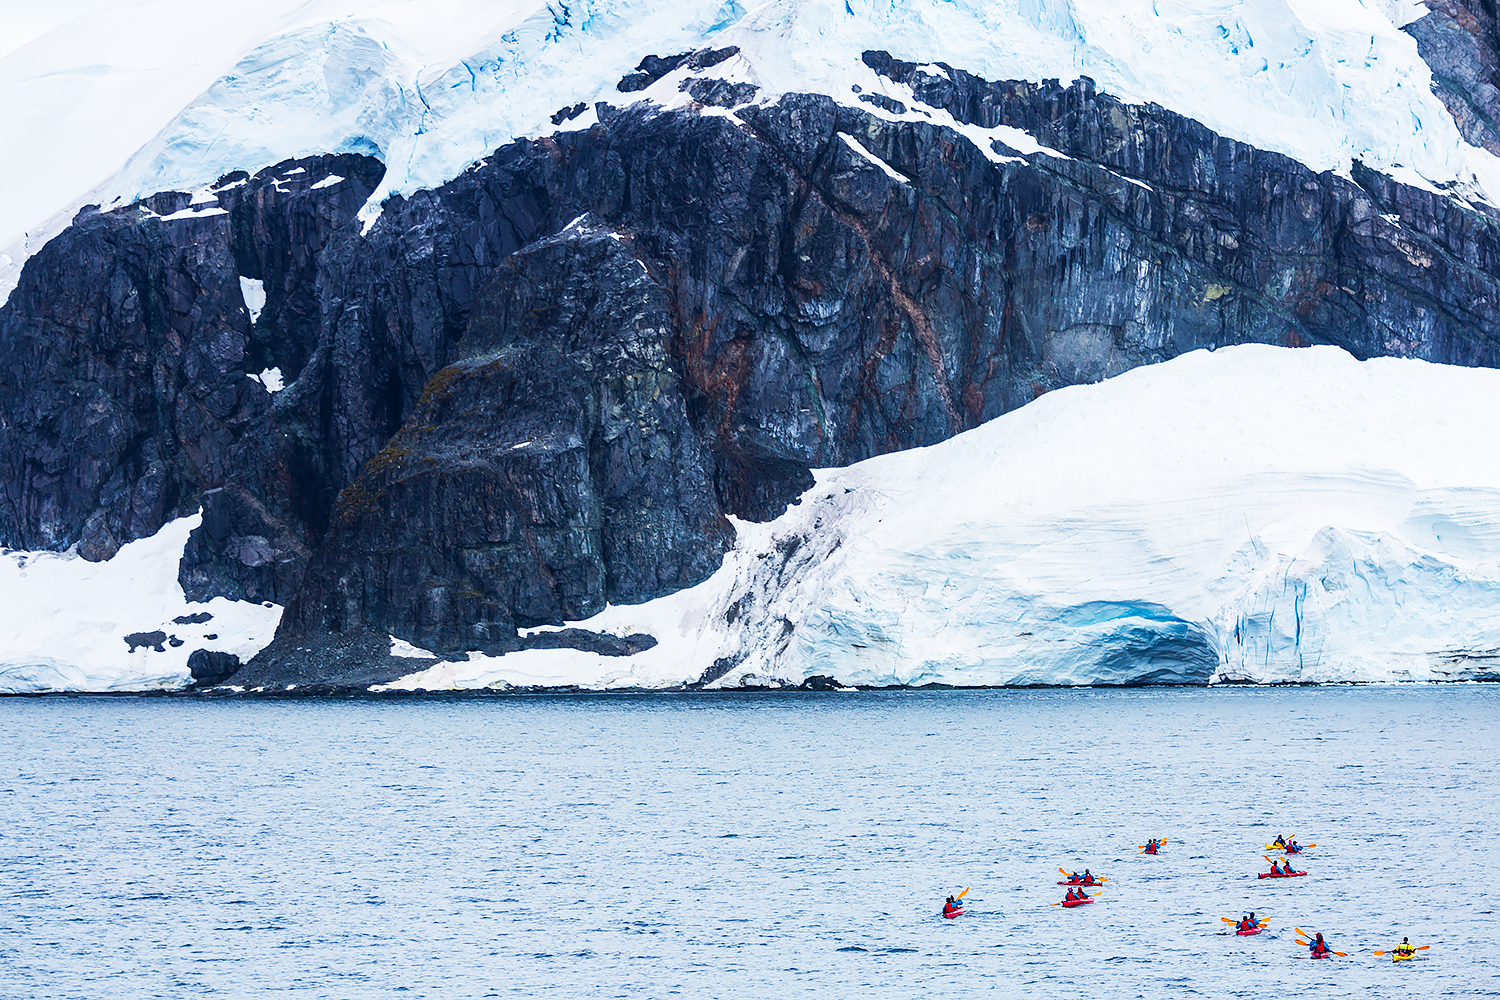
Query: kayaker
[
  {"x": 1073, "y": 876},
  {"x": 1071, "y": 895},
  {"x": 1317, "y": 947},
  {"x": 1244, "y": 924},
  {"x": 1275, "y": 868},
  {"x": 1404, "y": 949},
  {"x": 1278, "y": 842},
  {"x": 1088, "y": 877},
  {"x": 1253, "y": 921},
  {"x": 1292, "y": 848}
]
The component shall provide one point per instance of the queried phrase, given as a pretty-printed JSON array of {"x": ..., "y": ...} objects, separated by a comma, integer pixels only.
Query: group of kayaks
[
  {"x": 1314, "y": 943},
  {"x": 1248, "y": 925}
]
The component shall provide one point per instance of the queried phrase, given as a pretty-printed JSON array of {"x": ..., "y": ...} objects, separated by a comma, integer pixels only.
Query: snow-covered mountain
[
  {"x": 446, "y": 324},
  {"x": 108, "y": 102}
]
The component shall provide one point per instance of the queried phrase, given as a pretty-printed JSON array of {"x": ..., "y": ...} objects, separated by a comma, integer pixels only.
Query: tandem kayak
[
  {"x": 1070, "y": 903},
  {"x": 950, "y": 914},
  {"x": 1253, "y": 930},
  {"x": 1280, "y": 874}
]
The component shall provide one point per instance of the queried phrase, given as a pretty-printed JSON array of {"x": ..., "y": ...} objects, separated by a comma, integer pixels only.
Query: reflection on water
[{"x": 744, "y": 845}]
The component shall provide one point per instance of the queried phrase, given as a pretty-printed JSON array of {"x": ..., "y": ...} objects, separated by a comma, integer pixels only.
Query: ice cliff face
[{"x": 466, "y": 414}]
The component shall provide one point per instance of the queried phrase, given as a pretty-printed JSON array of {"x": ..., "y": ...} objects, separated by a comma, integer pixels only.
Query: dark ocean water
[{"x": 771, "y": 845}]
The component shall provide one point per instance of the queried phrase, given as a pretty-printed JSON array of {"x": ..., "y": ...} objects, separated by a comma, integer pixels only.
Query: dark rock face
[
  {"x": 1460, "y": 41},
  {"x": 552, "y": 468},
  {"x": 124, "y": 356},
  {"x": 543, "y": 386}
]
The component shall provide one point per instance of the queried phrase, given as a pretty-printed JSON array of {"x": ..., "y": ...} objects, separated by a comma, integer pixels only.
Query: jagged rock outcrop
[
  {"x": 542, "y": 386},
  {"x": 1460, "y": 41},
  {"x": 124, "y": 388}
]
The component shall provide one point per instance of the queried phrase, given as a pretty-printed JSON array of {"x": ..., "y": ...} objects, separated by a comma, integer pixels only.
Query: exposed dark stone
[
  {"x": 820, "y": 682},
  {"x": 568, "y": 114},
  {"x": 653, "y": 68},
  {"x": 719, "y": 92},
  {"x": 649, "y": 70},
  {"x": 210, "y": 666},
  {"x": 152, "y": 640},
  {"x": 1460, "y": 41},
  {"x": 194, "y": 619},
  {"x": 884, "y": 103},
  {"x": 592, "y": 642}
]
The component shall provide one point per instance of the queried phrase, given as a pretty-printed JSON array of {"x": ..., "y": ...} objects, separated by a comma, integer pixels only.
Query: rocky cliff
[{"x": 543, "y": 386}]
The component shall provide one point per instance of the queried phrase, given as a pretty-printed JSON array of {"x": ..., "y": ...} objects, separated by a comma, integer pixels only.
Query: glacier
[
  {"x": 1252, "y": 514},
  {"x": 110, "y": 102}
]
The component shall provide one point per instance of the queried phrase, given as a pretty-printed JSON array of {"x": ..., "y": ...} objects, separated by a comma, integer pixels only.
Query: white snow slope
[
  {"x": 66, "y": 619},
  {"x": 1254, "y": 513},
  {"x": 108, "y": 100}
]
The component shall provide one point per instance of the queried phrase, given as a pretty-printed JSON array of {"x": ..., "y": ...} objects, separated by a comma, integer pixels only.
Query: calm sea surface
[{"x": 773, "y": 845}]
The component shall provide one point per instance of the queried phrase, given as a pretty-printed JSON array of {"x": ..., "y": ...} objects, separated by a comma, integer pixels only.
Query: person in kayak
[
  {"x": 1088, "y": 877},
  {"x": 1253, "y": 921},
  {"x": 1275, "y": 868},
  {"x": 1291, "y": 847},
  {"x": 1317, "y": 947},
  {"x": 1404, "y": 949},
  {"x": 1279, "y": 841},
  {"x": 1245, "y": 924}
]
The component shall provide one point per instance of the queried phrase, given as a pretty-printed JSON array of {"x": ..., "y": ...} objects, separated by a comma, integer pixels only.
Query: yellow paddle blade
[
  {"x": 1379, "y": 953},
  {"x": 962, "y": 894},
  {"x": 1302, "y": 932},
  {"x": 1229, "y": 920},
  {"x": 1423, "y": 947}
]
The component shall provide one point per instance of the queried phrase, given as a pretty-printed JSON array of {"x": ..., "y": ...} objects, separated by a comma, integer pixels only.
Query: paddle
[
  {"x": 1418, "y": 948},
  {"x": 962, "y": 894},
  {"x": 1231, "y": 920}
]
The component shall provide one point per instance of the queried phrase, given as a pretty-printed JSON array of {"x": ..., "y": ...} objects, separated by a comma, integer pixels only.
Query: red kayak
[
  {"x": 950, "y": 914},
  {"x": 1253, "y": 930},
  {"x": 1070, "y": 903},
  {"x": 1149, "y": 850},
  {"x": 1280, "y": 874},
  {"x": 1321, "y": 954}
]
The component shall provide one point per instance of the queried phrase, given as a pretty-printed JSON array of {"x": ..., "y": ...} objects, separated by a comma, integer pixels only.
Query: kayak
[
  {"x": 1070, "y": 903},
  {"x": 1149, "y": 850},
  {"x": 1401, "y": 958},
  {"x": 1253, "y": 930},
  {"x": 1088, "y": 884},
  {"x": 950, "y": 914},
  {"x": 1320, "y": 954},
  {"x": 1280, "y": 874}
]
